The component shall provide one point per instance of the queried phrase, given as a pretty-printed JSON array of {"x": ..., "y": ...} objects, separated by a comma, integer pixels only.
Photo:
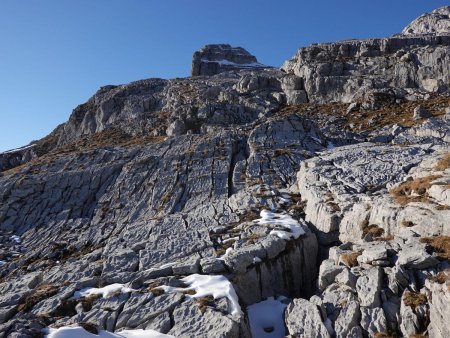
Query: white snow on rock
[
  {"x": 167, "y": 265},
  {"x": 16, "y": 239},
  {"x": 227, "y": 252},
  {"x": 285, "y": 221},
  {"x": 18, "y": 149},
  {"x": 2, "y": 263},
  {"x": 256, "y": 260},
  {"x": 217, "y": 286},
  {"x": 104, "y": 291},
  {"x": 230, "y": 63},
  {"x": 79, "y": 332},
  {"x": 266, "y": 318}
]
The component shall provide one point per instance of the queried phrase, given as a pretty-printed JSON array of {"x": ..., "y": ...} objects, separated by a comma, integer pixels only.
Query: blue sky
[{"x": 54, "y": 54}]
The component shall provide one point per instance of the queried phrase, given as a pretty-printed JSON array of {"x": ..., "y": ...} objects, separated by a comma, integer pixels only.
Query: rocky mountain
[{"x": 243, "y": 201}]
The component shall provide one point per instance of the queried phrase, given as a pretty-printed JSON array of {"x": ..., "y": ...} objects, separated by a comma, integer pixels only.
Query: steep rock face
[
  {"x": 215, "y": 59},
  {"x": 436, "y": 22},
  {"x": 414, "y": 61},
  {"x": 345, "y": 71}
]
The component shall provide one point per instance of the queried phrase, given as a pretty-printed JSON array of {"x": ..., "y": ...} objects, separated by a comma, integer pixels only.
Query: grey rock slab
[
  {"x": 161, "y": 323},
  {"x": 373, "y": 320},
  {"x": 439, "y": 309},
  {"x": 123, "y": 260},
  {"x": 349, "y": 317},
  {"x": 415, "y": 257},
  {"x": 153, "y": 308},
  {"x": 303, "y": 319},
  {"x": 190, "y": 322},
  {"x": 368, "y": 287},
  {"x": 327, "y": 272}
]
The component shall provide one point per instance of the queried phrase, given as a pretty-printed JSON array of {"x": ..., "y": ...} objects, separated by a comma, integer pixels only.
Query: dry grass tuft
[
  {"x": 253, "y": 238},
  {"x": 204, "y": 302},
  {"x": 414, "y": 299},
  {"x": 441, "y": 277},
  {"x": 407, "y": 224},
  {"x": 281, "y": 152},
  {"x": 153, "y": 287},
  {"x": 373, "y": 230},
  {"x": 250, "y": 215},
  {"x": 385, "y": 238},
  {"x": 414, "y": 190},
  {"x": 42, "y": 292},
  {"x": 89, "y": 327},
  {"x": 440, "y": 244},
  {"x": 443, "y": 163},
  {"x": 351, "y": 259},
  {"x": 382, "y": 335}
]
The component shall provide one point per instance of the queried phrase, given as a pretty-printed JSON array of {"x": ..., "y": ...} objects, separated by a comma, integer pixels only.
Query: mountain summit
[
  {"x": 243, "y": 201},
  {"x": 215, "y": 59}
]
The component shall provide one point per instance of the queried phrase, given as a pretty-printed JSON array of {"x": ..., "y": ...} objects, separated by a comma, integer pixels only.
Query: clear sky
[{"x": 54, "y": 54}]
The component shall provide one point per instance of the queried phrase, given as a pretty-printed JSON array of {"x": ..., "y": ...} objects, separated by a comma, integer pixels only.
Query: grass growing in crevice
[
  {"x": 413, "y": 190},
  {"x": 351, "y": 259},
  {"x": 414, "y": 299},
  {"x": 439, "y": 244}
]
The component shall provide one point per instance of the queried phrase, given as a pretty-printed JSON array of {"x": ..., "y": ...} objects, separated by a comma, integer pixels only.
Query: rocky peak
[
  {"x": 215, "y": 59},
  {"x": 196, "y": 206},
  {"x": 437, "y": 22}
]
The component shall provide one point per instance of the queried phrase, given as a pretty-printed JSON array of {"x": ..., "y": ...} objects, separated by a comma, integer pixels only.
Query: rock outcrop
[
  {"x": 215, "y": 59},
  {"x": 400, "y": 66},
  {"x": 435, "y": 23},
  {"x": 174, "y": 205}
]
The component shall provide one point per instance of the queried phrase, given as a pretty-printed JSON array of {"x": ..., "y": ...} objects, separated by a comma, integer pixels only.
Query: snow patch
[
  {"x": 167, "y": 265},
  {"x": 227, "y": 252},
  {"x": 266, "y": 318},
  {"x": 16, "y": 239},
  {"x": 79, "y": 332},
  {"x": 290, "y": 228},
  {"x": 256, "y": 260},
  {"x": 2, "y": 263},
  {"x": 217, "y": 286},
  {"x": 18, "y": 149},
  {"x": 234, "y": 64},
  {"x": 104, "y": 291}
]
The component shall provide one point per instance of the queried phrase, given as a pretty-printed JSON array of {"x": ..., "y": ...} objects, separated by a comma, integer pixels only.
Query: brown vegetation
[
  {"x": 281, "y": 152},
  {"x": 351, "y": 259},
  {"x": 414, "y": 299},
  {"x": 389, "y": 114},
  {"x": 204, "y": 302},
  {"x": 407, "y": 224},
  {"x": 40, "y": 293},
  {"x": 385, "y": 238},
  {"x": 441, "y": 277},
  {"x": 443, "y": 163},
  {"x": 440, "y": 244},
  {"x": 413, "y": 190},
  {"x": 89, "y": 327},
  {"x": 373, "y": 230},
  {"x": 251, "y": 239}
]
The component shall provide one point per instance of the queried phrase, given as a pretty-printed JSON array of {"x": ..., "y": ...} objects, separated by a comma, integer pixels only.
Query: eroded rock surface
[{"x": 250, "y": 173}]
